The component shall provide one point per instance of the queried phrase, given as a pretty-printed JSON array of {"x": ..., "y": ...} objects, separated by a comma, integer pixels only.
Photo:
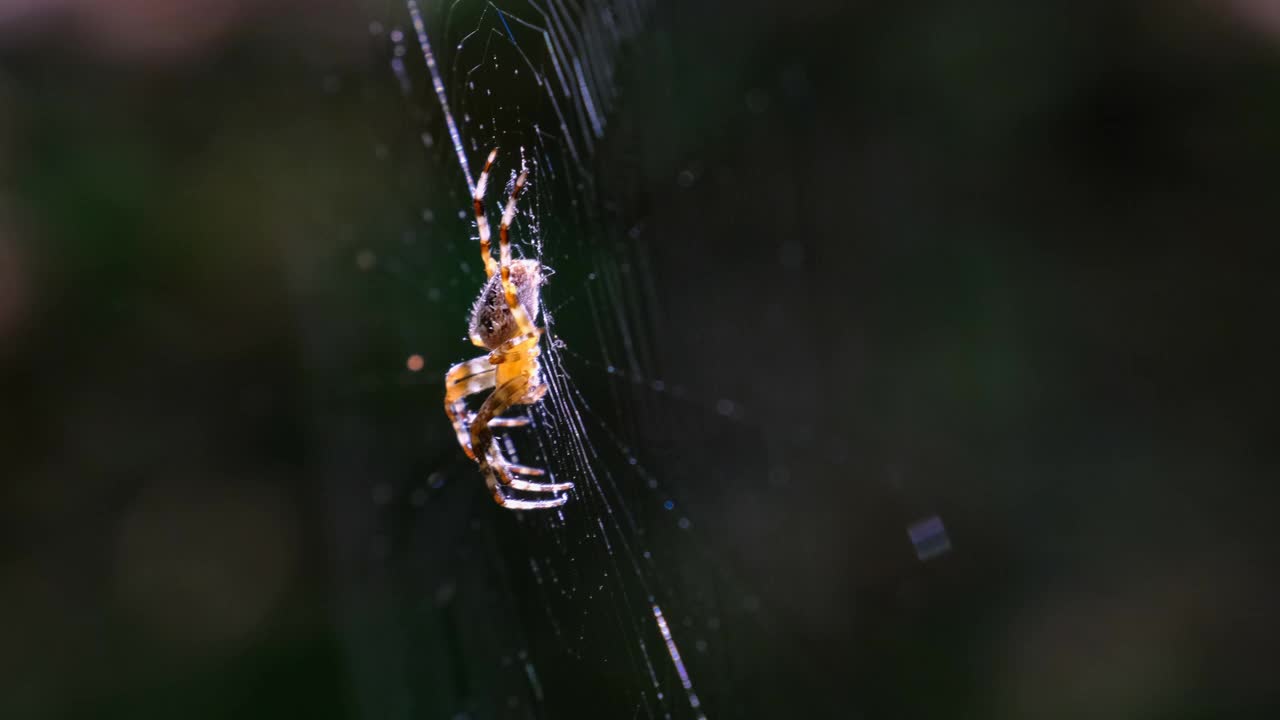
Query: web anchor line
[
  {"x": 674, "y": 652},
  {"x": 421, "y": 29}
]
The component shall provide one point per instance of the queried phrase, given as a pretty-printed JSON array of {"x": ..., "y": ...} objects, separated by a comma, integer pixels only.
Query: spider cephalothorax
[{"x": 501, "y": 322}]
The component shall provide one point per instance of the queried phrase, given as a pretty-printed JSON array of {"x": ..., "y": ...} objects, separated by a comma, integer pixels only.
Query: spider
[{"x": 502, "y": 322}]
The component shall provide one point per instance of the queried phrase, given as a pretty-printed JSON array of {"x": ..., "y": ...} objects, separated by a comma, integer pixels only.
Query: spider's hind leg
[
  {"x": 509, "y": 422},
  {"x": 498, "y": 471},
  {"x": 509, "y": 474},
  {"x": 511, "y": 503}
]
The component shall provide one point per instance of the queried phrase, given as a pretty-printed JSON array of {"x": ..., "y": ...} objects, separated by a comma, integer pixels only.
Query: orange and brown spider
[{"x": 502, "y": 322}]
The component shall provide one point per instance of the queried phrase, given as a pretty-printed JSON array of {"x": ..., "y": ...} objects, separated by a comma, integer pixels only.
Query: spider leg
[
  {"x": 517, "y": 504},
  {"x": 515, "y": 391},
  {"x": 462, "y": 380},
  {"x": 518, "y": 348},
  {"x": 507, "y": 474},
  {"x": 482, "y": 222},
  {"x": 523, "y": 322},
  {"x": 502, "y": 473},
  {"x": 508, "y": 422},
  {"x": 518, "y": 356},
  {"x": 475, "y": 368},
  {"x": 465, "y": 371}
]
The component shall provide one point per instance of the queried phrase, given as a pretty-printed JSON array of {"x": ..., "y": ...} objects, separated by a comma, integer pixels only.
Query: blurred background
[{"x": 921, "y": 351}]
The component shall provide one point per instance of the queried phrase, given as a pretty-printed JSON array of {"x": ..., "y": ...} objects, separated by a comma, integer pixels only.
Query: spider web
[{"x": 612, "y": 606}]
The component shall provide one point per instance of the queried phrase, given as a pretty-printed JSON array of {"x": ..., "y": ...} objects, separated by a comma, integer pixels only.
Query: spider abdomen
[{"x": 491, "y": 320}]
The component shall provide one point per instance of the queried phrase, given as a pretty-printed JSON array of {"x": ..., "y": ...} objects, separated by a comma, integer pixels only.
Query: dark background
[{"x": 1004, "y": 263}]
